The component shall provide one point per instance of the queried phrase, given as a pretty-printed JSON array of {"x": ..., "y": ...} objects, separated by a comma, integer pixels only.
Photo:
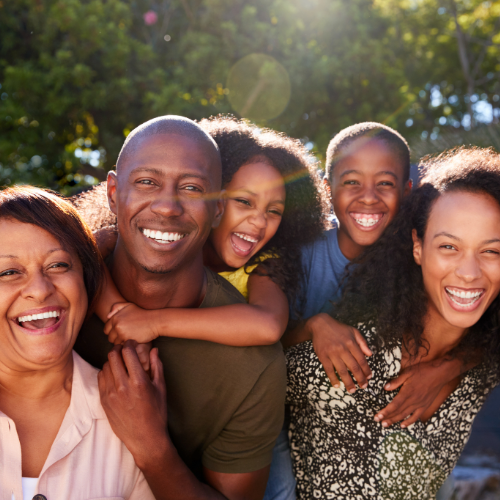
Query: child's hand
[
  {"x": 106, "y": 240},
  {"x": 342, "y": 348},
  {"x": 143, "y": 351},
  {"x": 126, "y": 321},
  {"x": 420, "y": 386}
]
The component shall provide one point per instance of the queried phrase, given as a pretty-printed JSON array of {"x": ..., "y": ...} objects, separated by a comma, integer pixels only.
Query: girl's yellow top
[{"x": 239, "y": 278}]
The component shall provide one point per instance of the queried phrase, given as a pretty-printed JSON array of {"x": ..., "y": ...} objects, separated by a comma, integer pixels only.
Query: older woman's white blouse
[{"x": 86, "y": 460}]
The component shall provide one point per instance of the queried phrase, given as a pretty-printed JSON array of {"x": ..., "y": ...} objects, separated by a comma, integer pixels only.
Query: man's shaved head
[{"x": 168, "y": 124}]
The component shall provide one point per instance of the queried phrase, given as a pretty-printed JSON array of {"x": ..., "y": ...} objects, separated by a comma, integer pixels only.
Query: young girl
[
  {"x": 427, "y": 289},
  {"x": 272, "y": 207}
]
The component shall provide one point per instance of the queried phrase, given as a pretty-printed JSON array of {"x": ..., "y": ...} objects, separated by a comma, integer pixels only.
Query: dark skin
[
  {"x": 169, "y": 183},
  {"x": 369, "y": 183}
]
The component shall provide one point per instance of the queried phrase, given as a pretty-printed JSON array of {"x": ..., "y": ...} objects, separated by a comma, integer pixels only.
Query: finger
[
  {"x": 116, "y": 308},
  {"x": 361, "y": 361},
  {"x": 157, "y": 372},
  {"x": 132, "y": 362},
  {"x": 117, "y": 367},
  {"x": 387, "y": 422},
  {"x": 330, "y": 371},
  {"x": 143, "y": 351},
  {"x": 345, "y": 376},
  {"x": 353, "y": 366},
  {"x": 399, "y": 404},
  {"x": 362, "y": 342},
  {"x": 105, "y": 381},
  {"x": 398, "y": 381},
  {"x": 412, "y": 418}
]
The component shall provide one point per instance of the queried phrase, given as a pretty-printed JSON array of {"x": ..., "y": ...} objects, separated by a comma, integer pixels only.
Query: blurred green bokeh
[{"x": 77, "y": 75}]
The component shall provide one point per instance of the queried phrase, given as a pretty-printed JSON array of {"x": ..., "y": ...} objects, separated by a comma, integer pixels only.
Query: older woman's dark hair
[
  {"x": 384, "y": 288},
  {"x": 241, "y": 143},
  {"x": 58, "y": 217}
]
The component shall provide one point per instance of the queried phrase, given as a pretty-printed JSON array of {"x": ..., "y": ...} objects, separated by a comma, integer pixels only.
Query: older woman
[
  {"x": 55, "y": 439},
  {"x": 428, "y": 288}
]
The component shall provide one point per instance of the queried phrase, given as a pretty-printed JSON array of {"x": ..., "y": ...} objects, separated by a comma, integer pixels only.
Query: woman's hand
[
  {"x": 420, "y": 386},
  {"x": 126, "y": 321},
  {"x": 340, "y": 348}
]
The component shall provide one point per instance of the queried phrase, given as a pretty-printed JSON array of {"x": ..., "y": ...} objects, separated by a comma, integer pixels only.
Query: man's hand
[
  {"x": 342, "y": 348},
  {"x": 420, "y": 386},
  {"x": 126, "y": 321},
  {"x": 135, "y": 405}
]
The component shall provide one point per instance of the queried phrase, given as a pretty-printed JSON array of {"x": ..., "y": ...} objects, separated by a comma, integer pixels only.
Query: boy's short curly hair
[
  {"x": 303, "y": 221},
  {"x": 339, "y": 146}
]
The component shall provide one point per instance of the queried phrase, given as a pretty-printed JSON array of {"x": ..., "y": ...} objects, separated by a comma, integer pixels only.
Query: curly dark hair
[
  {"x": 303, "y": 221},
  {"x": 384, "y": 288}
]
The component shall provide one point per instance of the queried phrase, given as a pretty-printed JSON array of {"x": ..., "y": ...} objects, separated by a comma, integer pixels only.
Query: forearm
[
  {"x": 234, "y": 325},
  {"x": 169, "y": 478},
  {"x": 299, "y": 332}
]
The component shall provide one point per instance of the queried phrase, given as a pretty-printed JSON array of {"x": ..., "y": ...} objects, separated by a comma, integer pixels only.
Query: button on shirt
[
  {"x": 324, "y": 266},
  {"x": 86, "y": 460}
]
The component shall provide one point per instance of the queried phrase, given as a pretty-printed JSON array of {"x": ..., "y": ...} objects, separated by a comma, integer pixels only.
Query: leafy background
[{"x": 77, "y": 75}]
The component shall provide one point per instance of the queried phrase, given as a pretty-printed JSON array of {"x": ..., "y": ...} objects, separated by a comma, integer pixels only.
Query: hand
[
  {"x": 143, "y": 352},
  {"x": 420, "y": 386},
  {"x": 126, "y": 321},
  {"x": 342, "y": 348},
  {"x": 136, "y": 406}
]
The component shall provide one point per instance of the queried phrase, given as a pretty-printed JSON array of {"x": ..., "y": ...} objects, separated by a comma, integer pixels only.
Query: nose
[
  {"x": 258, "y": 219},
  {"x": 38, "y": 288},
  {"x": 167, "y": 204},
  {"x": 369, "y": 195},
  {"x": 468, "y": 269}
]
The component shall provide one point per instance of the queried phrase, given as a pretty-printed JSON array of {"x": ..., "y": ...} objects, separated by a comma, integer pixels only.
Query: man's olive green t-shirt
[{"x": 225, "y": 404}]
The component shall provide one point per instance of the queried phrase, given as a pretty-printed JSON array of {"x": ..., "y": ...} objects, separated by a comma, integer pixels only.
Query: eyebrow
[
  {"x": 384, "y": 172},
  {"x": 448, "y": 235},
  {"x": 48, "y": 253}
]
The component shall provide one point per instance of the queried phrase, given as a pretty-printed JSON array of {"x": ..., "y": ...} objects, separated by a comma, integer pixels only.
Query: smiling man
[{"x": 225, "y": 404}]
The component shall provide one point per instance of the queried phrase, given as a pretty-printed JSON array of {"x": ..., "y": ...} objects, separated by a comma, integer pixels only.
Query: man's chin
[{"x": 157, "y": 269}]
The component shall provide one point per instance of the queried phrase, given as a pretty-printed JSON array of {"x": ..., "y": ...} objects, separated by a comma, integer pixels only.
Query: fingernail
[
  {"x": 369, "y": 376},
  {"x": 387, "y": 386},
  {"x": 385, "y": 424},
  {"x": 352, "y": 391},
  {"x": 364, "y": 386},
  {"x": 403, "y": 426},
  {"x": 336, "y": 386},
  {"x": 377, "y": 418}
]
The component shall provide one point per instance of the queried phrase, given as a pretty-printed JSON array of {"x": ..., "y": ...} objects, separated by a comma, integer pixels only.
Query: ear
[
  {"x": 408, "y": 187},
  {"x": 219, "y": 209},
  {"x": 417, "y": 247},
  {"x": 111, "y": 189}
]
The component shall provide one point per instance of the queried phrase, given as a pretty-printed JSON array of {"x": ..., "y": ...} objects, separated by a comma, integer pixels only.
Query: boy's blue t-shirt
[{"x": 324, "y": 267}]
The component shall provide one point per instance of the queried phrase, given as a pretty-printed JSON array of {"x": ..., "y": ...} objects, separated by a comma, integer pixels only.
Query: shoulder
[{"x": 220, "y": 292}]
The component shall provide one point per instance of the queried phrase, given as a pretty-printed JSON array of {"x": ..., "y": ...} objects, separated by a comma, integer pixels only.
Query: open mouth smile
[
  {"x": 464, "y": 299},
  {"x": 243, "y": 243},
  {"x": 367, "y": 222},
  {"x": 44, "y": 322},
  {"x": 163, "y": 238}
]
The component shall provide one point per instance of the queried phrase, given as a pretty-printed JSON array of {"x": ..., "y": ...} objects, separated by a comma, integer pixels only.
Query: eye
[
  {"x": 448, "y": 247},
  {"x": 59, "y": 266},
  {"x": 351, "y": 183},
  {"x": 8, "y": 272},
  {"x": 242, "y": 200},
  {"x": 493, "y": 252},
  {"x": 194, "y": 189},
  {"x": 386, "y": 184},
  {"x": 276, "y": 212},
  {"x": 145, "y": 182}
]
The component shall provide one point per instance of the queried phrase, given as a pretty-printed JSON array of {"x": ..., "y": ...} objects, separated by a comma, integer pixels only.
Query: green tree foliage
[{"x": 77, "y": 75}]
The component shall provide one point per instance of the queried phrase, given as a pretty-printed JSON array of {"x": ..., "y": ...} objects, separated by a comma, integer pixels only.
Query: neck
[
  {"x": 350, "y": 249},
  {"x": 440, "y": 337},
  {"x": 36, "y": 385},
  {"x": 182, "y": 287}
]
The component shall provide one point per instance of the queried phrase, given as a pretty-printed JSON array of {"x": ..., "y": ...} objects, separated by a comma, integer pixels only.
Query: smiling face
[
  {"x": 254, "y": 207},
  {"x": 166, "y": 201},
  {"x": 460, "y": 257},
  {"x": 42, "y": 296},
  {"x": 367, "y": 188}
]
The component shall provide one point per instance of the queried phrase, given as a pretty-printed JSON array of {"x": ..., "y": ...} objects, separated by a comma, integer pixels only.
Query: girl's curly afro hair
[
  {"x": 384, "y": 287},
  {"x": 303, "y": 220}
]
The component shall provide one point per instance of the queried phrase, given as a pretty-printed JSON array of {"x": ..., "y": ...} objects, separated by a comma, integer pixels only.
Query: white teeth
[
  {"x": 366, "y": 222},
  {"x": 34, "y": 317},
  {"x": 162, "y": 237},
  {"x": 246, "y": 237},
  {"x": 463, "y": 295}
]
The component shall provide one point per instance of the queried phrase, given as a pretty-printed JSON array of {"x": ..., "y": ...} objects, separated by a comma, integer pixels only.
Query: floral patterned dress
[{"x": 339, "y": 451}]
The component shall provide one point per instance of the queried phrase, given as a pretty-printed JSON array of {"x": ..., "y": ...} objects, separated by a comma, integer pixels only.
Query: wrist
[
  {"x": 312, "y": 324},
  {"x": 148, "y": 458}
]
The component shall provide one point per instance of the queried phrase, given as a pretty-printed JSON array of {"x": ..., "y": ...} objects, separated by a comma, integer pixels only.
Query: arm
[
  {"x": 340, "y": 348},
  {"x": 136, "y": 409},
  {"x": 260, "y": 322},
  {"x": 420, "y": 385}
]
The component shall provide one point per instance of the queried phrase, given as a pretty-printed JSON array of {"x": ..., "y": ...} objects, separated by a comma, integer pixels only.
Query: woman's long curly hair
[
  {"x": 303, "y": 220},
  {"x": 385, "y": 289}
]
